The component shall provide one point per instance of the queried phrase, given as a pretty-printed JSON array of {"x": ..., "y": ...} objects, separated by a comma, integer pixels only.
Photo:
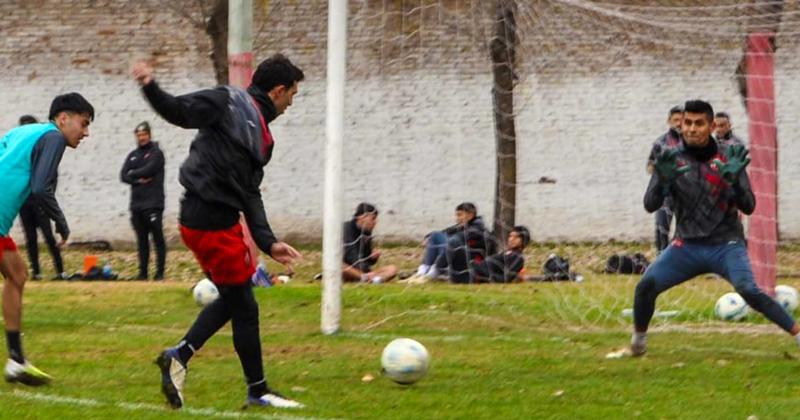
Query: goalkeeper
[{"x": 709, "y": 185}]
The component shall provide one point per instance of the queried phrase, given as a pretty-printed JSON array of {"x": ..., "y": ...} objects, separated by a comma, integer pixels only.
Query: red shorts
[
  {"x": 223, "y": 254},
  {"x": 6, "y": 244}
]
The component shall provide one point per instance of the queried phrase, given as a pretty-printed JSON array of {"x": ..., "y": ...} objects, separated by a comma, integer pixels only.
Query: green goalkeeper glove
[
  {"x": 737, "y": 160},
  {"x": 667, "y": 168}
]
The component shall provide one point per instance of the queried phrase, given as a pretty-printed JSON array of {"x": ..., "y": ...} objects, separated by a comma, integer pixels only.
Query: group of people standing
[
  {"x": 144, "y": 171},
  {"x": 221, "y": 176}
]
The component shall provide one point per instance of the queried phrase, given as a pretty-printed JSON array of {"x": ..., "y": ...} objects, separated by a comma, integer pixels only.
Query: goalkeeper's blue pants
[{"x": 682, "y": 261}]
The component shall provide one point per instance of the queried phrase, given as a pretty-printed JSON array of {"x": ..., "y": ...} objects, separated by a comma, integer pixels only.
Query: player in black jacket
[
  {"x": 222, "y": 177},
  {"x": 144, "y": 171}
]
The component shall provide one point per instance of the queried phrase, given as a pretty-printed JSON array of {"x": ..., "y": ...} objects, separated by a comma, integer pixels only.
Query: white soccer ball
[
  {"x": 787, "y": 296},
  {"x": 731, "y": 307},
  {"x": 205, "y": 292},
  {"x": 405, "y": 361}
]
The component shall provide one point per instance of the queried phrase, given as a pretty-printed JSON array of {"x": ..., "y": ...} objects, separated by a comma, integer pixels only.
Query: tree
[
  {"x": 210, "y": 16},
  {"x": 503, "y": 50}
]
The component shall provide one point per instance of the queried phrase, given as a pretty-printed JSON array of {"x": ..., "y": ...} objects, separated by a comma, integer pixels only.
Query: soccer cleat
[
  {"x": 273, "y": 399},
  {"x": 173, "y": 375},
  {"x": 25, "y": 373},
  {"x": 638, "y": 348}
]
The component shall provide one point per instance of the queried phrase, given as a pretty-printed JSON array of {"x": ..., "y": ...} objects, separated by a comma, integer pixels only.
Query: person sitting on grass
[
  {"x": 359, "y": 255},
  {"x": 504, "y": 267},
  {"x": 450, "y": 251}
]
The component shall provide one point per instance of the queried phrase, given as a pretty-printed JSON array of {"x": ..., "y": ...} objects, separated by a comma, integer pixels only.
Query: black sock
[
  {"x": 14, "y": 343},
  {"x": 257, "y": 389},
  {"x": 185, "y": 352}
]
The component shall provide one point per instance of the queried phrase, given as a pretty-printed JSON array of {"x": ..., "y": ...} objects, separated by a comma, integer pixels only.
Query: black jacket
[
  {"x": 358, "y": 247},
  {"x": 475, "y": 236},
  {"x": 706, "y": 207},
  {"x": 503, "y": 267},
  {"x": 145, "y": 163},
  {"x": 225, "y": 167}
]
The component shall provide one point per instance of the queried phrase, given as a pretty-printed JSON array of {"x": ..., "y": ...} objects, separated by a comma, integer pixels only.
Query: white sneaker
[
  {"x": 273, "y": 399},
  {"x": 25, "y": 373}
]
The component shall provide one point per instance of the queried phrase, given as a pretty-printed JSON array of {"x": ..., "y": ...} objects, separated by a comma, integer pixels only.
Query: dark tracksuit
[
  {"x": 668, "y": 140},
  {"x": 33, "y": 218},
  {"x": 464, "y": 244},
  {"x": 730, "y": 139},
  {"x": 503, "y": 267},
  {"x": 144, "y": 171},
  {"x": 709, "y": 237},
  {"x": 41, "y": 206},
  {"x": 222, "y": 177},
  {"x": 358, "y": 247}
]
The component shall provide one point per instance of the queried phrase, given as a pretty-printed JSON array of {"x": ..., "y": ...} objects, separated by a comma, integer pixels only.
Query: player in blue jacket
[{"x": 29, "y": 158}]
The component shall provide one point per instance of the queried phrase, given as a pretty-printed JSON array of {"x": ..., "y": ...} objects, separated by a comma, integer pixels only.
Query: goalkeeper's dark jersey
[{"x": 706, "y": 207}]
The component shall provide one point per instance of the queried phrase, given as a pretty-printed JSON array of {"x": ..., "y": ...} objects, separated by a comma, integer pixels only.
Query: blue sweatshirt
[{"x": 29, "y": 159}]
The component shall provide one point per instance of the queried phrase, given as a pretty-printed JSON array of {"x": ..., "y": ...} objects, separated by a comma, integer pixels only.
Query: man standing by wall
[{"x": 144, "y": 171}]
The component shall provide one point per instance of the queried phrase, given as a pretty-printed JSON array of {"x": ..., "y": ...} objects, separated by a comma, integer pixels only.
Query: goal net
[{"x": 592, "y": 86}]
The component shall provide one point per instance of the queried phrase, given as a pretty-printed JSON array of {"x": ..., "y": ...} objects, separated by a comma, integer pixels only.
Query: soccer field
[{"x": 497, "y": 351}]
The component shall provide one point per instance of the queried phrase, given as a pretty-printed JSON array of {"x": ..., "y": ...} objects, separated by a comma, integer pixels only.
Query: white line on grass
[{"x": 87, "y": 402}]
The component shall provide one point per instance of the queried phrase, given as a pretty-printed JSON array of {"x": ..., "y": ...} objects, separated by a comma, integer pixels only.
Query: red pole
[{"x": 762, "y": 241}]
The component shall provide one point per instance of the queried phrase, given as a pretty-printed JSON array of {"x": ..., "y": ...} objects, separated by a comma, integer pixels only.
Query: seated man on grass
[
  {"x": 359, "y": 255},
  {"x": 450, "y": 251},
  {"x": 504, "y": 267}
]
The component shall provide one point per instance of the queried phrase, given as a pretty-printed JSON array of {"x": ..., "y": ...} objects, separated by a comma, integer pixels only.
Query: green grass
[{"x": 531, "y": 350}]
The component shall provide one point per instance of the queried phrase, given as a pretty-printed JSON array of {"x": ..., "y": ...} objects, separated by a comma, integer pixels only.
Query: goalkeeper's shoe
[
  {"x": 173, "y": 375},
  {"x": 272, "y": 399},
  {"x": 25, "y": 373}
]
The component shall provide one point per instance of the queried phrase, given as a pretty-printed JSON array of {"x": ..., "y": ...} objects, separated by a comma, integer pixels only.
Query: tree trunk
[
  {"x": 216, "y": 27},
  {"x": 503, "y": 52}
]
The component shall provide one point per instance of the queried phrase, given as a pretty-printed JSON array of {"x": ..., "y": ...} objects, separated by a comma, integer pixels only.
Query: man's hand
[
  {"x": 738, "y": 159},
  {"x": 666, "y": 166},
  {"x": 284, "y": 253},
  {"x": 142, "y": 72},
  {"x": 62, "y": 242},
  {"x": 375, "y": 255},
  {"x": 145, "y": 180}
]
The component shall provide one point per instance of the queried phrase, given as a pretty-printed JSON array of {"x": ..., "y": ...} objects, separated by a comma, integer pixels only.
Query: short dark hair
[
  {"x": 524, "y": 233},
  {"x": 70, "y": 102},
  {"x": 677, "y": 109},
  {"x": 27, "y": 119},
  {"x": 467, "y": 207},
  {"x": 722, "y": 115},
  {"x": 142, "y": 126},
  {"x": 696, "y": 106},
  {"x": 365, "y": 208},
  {"x": 276, "y": 71}
]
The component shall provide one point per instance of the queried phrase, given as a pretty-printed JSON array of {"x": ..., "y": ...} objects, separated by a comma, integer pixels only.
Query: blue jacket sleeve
[{"x": 45, "y": 159}]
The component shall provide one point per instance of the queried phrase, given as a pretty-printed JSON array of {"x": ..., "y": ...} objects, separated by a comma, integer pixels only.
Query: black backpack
[
  {"x": 556, "y": 268},
  {"x": 627, "y": 264}
]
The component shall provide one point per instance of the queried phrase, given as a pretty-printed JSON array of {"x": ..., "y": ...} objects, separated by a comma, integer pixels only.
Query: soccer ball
[
  {"x": 205, "y": 292},
  {"x": 405, "y": 361},
  {"x": 731, "y": 307},
  {"x": 787, "y": 297}
]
